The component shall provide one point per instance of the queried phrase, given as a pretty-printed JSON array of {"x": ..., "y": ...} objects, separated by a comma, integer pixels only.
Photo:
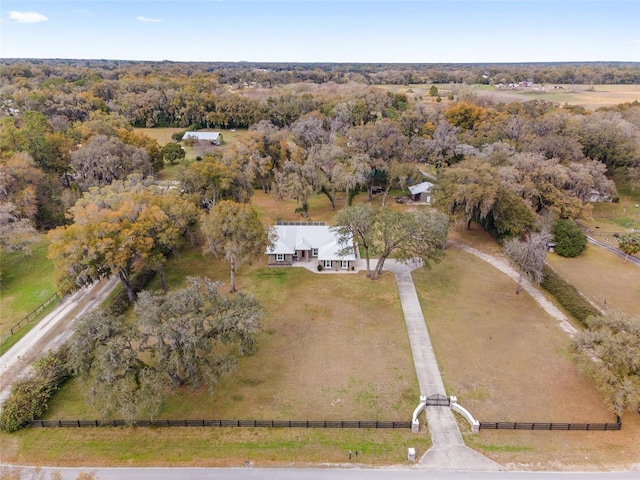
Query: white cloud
[
  {"x": 142, "y": 18},
  {"x": 27, "y": 17}
]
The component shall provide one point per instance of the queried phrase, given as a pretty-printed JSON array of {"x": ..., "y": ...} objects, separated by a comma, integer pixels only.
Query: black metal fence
[
  {"x": 223, "y": 423},
  {"x": 549, "y": 426},
  {"x": 28, "y": 318}
]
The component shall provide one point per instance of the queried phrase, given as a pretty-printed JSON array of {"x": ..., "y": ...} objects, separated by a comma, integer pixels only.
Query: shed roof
[
  {"x": 420, "y": 188},
  {"x": 211, "y": 136}
]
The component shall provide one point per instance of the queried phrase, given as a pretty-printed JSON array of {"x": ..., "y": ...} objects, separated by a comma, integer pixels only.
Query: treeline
[
  {"x": 67, "y": 127},
  {"x": 182, "y": 94}
]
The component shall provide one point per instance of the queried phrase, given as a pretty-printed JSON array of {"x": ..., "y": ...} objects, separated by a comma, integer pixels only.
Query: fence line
[
  {"x": 28, "y": 318},
  {"x": 549, "y": 426},
  {"x": 223, "y": 423}
]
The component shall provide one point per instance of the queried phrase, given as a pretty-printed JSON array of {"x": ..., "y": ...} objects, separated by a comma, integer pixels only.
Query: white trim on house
[
  {"x": 279, "y": 257},
  {"x": 318, "y": 240}
]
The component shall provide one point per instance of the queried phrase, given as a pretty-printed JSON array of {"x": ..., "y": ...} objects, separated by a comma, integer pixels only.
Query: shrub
[
  {"x": 570, "y": 240},
  {"x": 567, "y": 295},
  {"x": 29, "y": 397},
  {"x": 319, "y": 267}
]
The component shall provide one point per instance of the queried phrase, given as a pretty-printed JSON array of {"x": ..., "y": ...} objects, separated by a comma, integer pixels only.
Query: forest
[{"x": 67, "y": 125}]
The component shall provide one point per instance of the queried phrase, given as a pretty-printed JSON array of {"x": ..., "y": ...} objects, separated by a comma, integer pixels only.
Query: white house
[
  {"x": 309, "y": 242},
  {"x": 421, "y": 192},
  {"x": 213, "y": 137}
]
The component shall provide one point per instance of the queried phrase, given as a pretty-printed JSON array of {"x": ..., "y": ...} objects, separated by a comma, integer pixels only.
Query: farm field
[
  {"x": 506, "y": 360},
  {"x": 590, "y": 97}
]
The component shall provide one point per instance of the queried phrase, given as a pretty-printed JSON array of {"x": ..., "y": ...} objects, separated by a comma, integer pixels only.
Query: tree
[
  {"x": 172, "y": 153},
  {"x": 570, "y": 240},
  {"x": 511, "y": 216},
  {"x": 234, "y": 232},
  {"x": 629, "y": 243},
  {"x": 16, "y": 232},
  {"x": 119, "y": 230},
  {"x": 610, "y": 350},
  {"x": 190, "y": 334},
  {"x": 209, "y": 181},
  {"x": 298, "y": 181},
  {"x": 433, "y": 91},
  {"x": 408, "y": 236},
  {"x": 106, "y": 159},
  {"x": 357, "y": 224},
  {"x": 529, "y": 255},
  {"x": 469, "y": 188}
]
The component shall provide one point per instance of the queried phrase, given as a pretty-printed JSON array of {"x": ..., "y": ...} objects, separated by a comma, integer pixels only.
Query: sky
[{"x": 362, "y": 31}]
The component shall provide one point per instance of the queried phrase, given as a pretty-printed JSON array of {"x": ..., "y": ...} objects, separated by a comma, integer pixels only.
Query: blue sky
[{"x": 417, "y": 31}]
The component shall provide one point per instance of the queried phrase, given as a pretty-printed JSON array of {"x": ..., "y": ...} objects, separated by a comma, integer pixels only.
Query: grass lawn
[
  {"x": 620, "y": 291},
  {"x": 506, "y": 360},
  {"x": 332, "y": 347},
  {"x": 27, "y": 281}
]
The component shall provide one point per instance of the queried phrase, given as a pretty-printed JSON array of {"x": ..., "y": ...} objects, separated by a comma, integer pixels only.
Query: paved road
[
  {"x": 326, "y": 474},
  {"x": 49, "y": 333},
  {"x": 618, "y": 252}
]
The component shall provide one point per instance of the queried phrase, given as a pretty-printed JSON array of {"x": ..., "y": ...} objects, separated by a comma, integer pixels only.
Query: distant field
[
  {"x": 163, "y": 135},
  {"x": 591, "y": 97}
]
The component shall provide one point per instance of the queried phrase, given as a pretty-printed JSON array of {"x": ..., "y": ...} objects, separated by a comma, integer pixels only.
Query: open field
[
  {"x": 590, "y": 97},
  {"x": 22, "y": 288},
  {"x": 620, "y": 291},
  {"x": 506, "y": 360}
]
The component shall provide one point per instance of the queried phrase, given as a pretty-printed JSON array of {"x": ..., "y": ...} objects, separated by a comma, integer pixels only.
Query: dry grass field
[
  {"x": 332, "y": 347},
  {"x": 506, "y": 360},
  {"x": 620, "y": 290}
]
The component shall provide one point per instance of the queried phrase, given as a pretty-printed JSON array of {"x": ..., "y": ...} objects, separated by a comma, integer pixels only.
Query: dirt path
[{"x": 504, "y": 266}]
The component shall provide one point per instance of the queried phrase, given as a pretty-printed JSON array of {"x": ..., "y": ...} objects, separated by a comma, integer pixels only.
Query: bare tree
[{"x": 529, "y": 254}]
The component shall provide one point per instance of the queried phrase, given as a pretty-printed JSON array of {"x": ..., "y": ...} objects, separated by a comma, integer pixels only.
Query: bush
[
  {"x": 29, "y": 397},
  {"x": 567, "y": 295},
  {"x": 570, "y": 240},
  {"x": 319, "y": 267}
]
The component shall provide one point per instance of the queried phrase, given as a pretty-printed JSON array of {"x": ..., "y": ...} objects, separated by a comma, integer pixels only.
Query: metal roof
[
  {"x": 307, "y": 237},
  {"x": 211, "y": 136},
  {"x": 420, "y": 188}
]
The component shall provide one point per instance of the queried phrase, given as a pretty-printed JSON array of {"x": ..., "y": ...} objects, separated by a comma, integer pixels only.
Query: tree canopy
[
  {"x": 118, "y": 230},
  {"x": 186, "y": 337},
  {"x": 610, "y": 351},
  {"x": 234, "y": 232}
]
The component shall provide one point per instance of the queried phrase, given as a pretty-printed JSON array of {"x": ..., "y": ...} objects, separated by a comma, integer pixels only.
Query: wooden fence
[
  {"x": 223, "y": 423},
  {"x": 28, "y": 318},
  {"x": 549, "y": 426}
]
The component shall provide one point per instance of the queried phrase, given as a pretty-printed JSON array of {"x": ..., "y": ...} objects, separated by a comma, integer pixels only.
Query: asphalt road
[
  {"x": 325, "y": 474},
  {"x": 620, "y": 253}
]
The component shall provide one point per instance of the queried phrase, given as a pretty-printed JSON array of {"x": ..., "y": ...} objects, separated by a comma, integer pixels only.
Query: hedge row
[
  {"x": 30, "y": 397},
  {"x": 567, "y": 295}
]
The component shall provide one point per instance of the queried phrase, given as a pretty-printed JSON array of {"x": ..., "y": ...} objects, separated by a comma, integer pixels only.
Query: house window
[
  {"x": 326, "y": 263},
  {"x": 314, "y": 252},
  {"x": 279, "y": 257},
  {"x": 344, "y": 264}
]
